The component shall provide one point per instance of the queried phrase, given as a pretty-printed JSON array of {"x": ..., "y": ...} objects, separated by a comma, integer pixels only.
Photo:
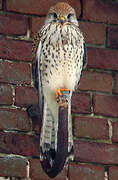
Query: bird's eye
[
  {"x": 54, "y": 15},
  {"x": 70, "y": 15}
]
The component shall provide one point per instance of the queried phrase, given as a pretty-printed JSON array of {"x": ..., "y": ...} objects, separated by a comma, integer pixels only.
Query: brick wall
[{"x": 94, "y": 104}]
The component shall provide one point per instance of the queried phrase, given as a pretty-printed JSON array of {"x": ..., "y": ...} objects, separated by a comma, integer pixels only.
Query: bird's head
[{"x": 62, "y": 13}]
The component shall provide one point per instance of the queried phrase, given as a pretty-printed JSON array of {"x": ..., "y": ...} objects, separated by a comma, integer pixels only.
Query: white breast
[{"x": 61, "y": 58}]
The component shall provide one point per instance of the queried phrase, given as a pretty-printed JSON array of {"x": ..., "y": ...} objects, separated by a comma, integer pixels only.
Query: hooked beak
[{"x": 62, "y": 19}]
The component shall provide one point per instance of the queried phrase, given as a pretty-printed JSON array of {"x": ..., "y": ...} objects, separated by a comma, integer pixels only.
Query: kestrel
[{"x": 59, "y": 49}]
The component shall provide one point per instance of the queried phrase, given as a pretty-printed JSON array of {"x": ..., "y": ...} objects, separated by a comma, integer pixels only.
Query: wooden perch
[
  {"x": 62, "y": 145},
  {"x": 62, "y": 141},
  {"x": 61, "y": 154}
]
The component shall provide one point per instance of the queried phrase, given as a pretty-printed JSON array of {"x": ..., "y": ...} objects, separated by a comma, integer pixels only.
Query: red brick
[
  {"x": 102, "y": 58},
  {"x": 15, "y": 49},
  {"x": 88, "y": 172},
  {"x": 16, "y": 73},
  {"x": 36, "y": 24},
  {"x": 34, "y": 114},
  {"x": 89, "y": 127},
  {"x": 14, "y": 119},
  {"x": 13, "y": 166},
  {"x": 115, "y": 131},
  {"x": 106, "y": 105},
  {"x": 81, "y": 103},
  {"x": 93, "y": 33},
  {"x": 39, "y": 7},
  {"x": 5, "y": 94},
  {"x": 13, "y": 143},
  {"x": 100, "y": 11},
  {"x": 116, "y": 83},
  {"x": 113, "y": 173},
  {"x": 0, "y": 4},
  {"x": 112, "y": 37},
  {"x": 96, "y": 152},
  {"x": 94, "y": 81},
  {"x": 9, "y": 22},
  {"x": 36, "y": 172},
  {"x": 26, "y": 96}
]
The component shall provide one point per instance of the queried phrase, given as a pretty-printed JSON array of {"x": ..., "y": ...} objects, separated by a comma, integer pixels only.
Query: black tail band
[{"x": 59, "y": 157}]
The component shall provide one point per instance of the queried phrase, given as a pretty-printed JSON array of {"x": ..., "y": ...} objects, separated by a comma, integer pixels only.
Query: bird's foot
[{"x": 62, "y": 95}]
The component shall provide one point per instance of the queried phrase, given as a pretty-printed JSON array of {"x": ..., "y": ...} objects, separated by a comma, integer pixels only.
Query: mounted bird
[{"x": 60, "y": 55}]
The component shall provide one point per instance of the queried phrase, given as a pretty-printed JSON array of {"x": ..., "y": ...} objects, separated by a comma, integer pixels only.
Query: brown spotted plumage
[{"x": 59, "y": 50}]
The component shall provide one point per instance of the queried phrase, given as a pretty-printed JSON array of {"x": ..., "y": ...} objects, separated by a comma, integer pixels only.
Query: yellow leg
[{"x": 59, "y": 92}]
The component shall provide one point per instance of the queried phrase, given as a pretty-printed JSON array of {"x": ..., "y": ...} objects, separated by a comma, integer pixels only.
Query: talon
[
  {"x": 58, "y": 93},
  {"x": 61, "y": 92}
]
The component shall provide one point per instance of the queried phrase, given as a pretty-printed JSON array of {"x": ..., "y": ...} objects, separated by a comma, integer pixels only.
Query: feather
[
  {"x": 47, "y": 135},
  {"x": 85, "y": 57},
  {"x": 59, "y": 53}
]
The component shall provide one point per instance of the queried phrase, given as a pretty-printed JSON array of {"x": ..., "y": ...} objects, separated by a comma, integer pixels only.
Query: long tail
[
  {"x": 56, "y": 141},
  {"x": 47, "y": 136}
]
